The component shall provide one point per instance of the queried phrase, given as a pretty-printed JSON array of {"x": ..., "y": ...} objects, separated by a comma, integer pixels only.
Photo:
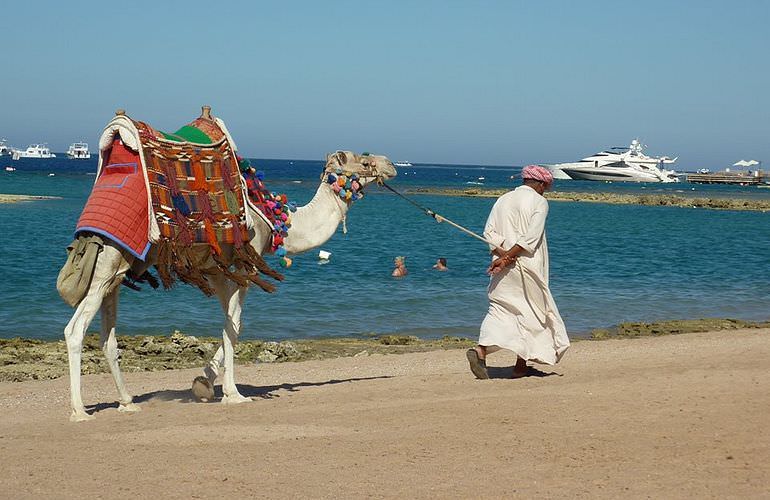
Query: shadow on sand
[
  {"x": 507, "y": 371},
  {"x": 250, "y": 391}
]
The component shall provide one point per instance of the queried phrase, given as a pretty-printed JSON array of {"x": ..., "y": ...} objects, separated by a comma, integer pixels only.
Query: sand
[{"x": 673, "y": 416}]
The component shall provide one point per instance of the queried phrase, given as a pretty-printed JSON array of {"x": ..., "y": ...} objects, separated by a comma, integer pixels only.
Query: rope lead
[{"x": 440, "y": 218}]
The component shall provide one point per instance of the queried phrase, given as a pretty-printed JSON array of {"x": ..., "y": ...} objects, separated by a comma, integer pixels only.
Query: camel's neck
[{"x": 313, "y": 224}]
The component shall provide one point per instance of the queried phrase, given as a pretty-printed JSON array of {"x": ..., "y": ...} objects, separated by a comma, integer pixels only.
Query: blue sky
[{"x": 479, "y": 82}]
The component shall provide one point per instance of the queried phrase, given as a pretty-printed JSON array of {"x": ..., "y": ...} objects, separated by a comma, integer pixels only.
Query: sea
[{"x": 609, "y": 263}]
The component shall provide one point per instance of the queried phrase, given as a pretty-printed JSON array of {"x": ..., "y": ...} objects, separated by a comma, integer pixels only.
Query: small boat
[
  {"x": 78, "y": 151},
  {"x": 33, "y": 151},
  {"x": 4, "y": 149},
  {"x": 402, "y": 164},
  {"x": 10, "y": 169}
]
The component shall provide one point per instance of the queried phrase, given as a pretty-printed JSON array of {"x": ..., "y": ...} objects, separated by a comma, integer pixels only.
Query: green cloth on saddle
[{"x": 188, "y": 133}]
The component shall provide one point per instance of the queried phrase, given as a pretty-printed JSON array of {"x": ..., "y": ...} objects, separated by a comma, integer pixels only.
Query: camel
[{"x": 312, "y": 225}]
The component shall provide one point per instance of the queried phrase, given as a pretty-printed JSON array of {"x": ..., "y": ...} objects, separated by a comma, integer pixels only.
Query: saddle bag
[{"x": 76, "y": 274}]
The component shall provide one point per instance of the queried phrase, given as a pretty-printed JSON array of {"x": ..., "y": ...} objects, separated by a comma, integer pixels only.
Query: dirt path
[{"x": 677, "y": 416}]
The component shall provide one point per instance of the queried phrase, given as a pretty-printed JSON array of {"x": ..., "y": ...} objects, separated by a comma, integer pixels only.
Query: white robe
[{"x": 522, "y": 314}]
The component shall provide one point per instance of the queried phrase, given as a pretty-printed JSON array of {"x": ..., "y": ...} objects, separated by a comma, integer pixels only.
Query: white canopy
[{"x": 745, "y": 163}]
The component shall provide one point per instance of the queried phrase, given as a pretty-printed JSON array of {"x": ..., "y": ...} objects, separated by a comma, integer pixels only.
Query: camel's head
[{"x": 365, "y": 167}]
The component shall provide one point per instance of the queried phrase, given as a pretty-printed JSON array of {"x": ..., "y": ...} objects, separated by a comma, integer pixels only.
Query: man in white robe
[{"x": 522, "y": 315}]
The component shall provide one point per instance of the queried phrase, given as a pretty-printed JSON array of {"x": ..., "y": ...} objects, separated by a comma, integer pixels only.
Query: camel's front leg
[
  {"x": 231, "y": 298},
  {"x": 110, "y": 349}
]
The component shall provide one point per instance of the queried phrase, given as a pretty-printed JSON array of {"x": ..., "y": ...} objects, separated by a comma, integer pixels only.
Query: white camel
[{"x": 311, "y": 226}]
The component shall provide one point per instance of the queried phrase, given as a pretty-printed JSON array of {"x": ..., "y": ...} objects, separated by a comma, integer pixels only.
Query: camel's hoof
[
  {"x": 235, "y": 399},
  {"x": 202, "y": 389},
  {"x": 129, "y": 408},
  {"x": 80, "y": 416}
]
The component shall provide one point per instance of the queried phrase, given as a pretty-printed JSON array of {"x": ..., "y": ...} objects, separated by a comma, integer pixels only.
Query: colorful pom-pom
[{"x": 355, "y": 185}]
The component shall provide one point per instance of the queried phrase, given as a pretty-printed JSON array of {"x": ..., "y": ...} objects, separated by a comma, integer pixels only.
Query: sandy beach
[{"x": 678, "y": 416}]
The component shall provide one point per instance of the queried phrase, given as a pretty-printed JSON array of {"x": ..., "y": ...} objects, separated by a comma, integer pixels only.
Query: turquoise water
[{"x": 609, "y": 263}]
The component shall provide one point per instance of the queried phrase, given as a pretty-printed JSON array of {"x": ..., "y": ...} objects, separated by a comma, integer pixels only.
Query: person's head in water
[
  {"x": 440, "y": 264},
  {"x": 400, "y": 266},
  {"x": 538, "y": 178}
]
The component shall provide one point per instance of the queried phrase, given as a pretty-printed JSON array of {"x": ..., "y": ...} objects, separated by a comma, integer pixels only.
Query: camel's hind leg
[
  {"x": 74, "y": 333},
  {"x": 110, "y": 268},
  {"x": 110, "y": 349}
]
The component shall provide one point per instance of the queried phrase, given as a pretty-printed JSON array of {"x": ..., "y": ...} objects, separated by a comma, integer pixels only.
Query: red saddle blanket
[{"x": 117, "y": 207}]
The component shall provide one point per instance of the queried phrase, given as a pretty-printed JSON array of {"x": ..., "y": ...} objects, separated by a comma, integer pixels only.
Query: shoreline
[
  {"x": 23, "y": 359},
  {"x": 17, "y": 198},
  {"x": 615, "y": 199}
]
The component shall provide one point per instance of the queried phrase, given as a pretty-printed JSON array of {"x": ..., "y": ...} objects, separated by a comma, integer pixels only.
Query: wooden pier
[{"x": 728, "y": 178}]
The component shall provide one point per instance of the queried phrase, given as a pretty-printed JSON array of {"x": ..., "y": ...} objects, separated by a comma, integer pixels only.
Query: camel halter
[{"x": 348, "y": 186}]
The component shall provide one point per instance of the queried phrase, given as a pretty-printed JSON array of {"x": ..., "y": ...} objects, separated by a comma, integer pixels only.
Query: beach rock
[
  {"x": 277, "y": 351},
  {"x": 266, "y": 357},
  {"x": 398, "y": 339}
]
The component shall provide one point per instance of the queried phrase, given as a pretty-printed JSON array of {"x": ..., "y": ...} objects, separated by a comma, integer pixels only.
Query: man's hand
[{"x": 500, "y": 264}]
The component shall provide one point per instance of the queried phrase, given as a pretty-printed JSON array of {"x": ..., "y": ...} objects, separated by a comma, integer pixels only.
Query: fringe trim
[{"x": 175, "y": 262}]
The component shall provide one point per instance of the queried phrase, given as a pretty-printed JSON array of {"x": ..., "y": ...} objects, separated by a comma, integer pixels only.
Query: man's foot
[{"x": 478, "y": 365}]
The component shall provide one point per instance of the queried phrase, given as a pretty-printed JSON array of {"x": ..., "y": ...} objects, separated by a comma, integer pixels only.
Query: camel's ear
[{"x": 342, "y": 157}]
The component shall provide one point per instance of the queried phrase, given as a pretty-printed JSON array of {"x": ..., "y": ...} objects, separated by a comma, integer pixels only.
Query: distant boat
[
  {"x": 402, "y": 164},
  {"x": 33, "y": 151},
  {"x": 4, "y": 150},
  {"x": 619, "y": 164},
  {"x": 9, "y": 169},
  {"x": 78, "y": 151}
]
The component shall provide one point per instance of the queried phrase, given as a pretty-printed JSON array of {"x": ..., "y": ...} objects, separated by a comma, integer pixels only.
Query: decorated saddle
[{"x": 181, "y": 193}]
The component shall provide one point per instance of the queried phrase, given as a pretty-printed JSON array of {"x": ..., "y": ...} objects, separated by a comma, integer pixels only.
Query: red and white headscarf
[{"x": 537, "y": 173}]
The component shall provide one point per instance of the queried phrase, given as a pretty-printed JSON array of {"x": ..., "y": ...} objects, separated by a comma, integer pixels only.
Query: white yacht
[
  {"x": 33, "y": 151},
  {"x": 402, "y": 164},
  {"x": 4, "y": 149},
  {"x": 620, "y": 164},
  {"x": 78, "y": 151}
]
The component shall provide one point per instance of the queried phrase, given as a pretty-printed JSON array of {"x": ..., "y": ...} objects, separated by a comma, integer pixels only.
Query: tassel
[
  {"x": 200, "y": 183},
  {"x": 211, "y": 235}
]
